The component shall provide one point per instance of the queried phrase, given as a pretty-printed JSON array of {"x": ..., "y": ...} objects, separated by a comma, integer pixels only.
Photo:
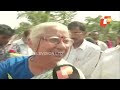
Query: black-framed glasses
[{"x": 56, "y": 40}]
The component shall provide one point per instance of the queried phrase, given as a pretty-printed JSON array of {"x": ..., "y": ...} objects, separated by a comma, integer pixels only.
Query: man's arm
[
  {"x": 90, "y": 64},
  {"x": 98, "y": 70}
]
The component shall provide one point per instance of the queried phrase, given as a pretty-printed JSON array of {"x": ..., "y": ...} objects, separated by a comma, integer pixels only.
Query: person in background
[
  {"x": 6, "y": 32},
  {"x": 83, "y": 54},
  {"x": 109, "y": 42},
  {"x": 49, "y": 48},
  {"x": 90, "y": 40},
  {"x": 13, "y": 38},
  {"x": 109, "y": 65},
  {"x": 21, "y": 45},
  {"x": 118, "y": 40},
  {"x": 95, "y": 36}
]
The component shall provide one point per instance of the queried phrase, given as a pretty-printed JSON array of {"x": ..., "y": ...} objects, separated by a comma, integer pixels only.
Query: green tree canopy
[
  {"x": 36, "y": 17},
  {"x": 110, "y": 30}
]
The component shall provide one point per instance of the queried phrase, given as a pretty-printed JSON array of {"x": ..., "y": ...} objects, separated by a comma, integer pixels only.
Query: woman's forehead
[{"x": 56, "y": 32}]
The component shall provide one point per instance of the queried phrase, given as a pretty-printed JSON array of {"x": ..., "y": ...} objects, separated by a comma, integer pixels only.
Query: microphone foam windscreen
[{"x": 65, "y": 71}]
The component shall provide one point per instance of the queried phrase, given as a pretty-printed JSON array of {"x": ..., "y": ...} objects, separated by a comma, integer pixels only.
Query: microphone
[{"x": 65, "y": 71}]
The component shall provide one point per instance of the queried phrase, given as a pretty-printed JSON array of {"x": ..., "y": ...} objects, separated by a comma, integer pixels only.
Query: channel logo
[{"x": 105, "y": 21}]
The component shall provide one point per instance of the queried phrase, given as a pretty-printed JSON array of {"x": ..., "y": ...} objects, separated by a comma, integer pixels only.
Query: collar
[{"x": 83, "y": 45}]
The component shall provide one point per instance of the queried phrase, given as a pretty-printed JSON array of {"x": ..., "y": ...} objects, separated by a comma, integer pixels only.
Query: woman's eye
[{"x": 54, "y": 40}]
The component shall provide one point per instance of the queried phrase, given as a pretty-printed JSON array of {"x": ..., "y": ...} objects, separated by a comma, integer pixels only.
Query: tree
[
  {"x": 36, "y": 17},
  {"x": 64, "y": 17},
  {"x": 111, "y": 29},
  {"x": 93, "y": 23},
  {"x": 23, "y": 26}
]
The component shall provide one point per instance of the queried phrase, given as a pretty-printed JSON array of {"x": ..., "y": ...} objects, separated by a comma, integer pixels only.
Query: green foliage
[
  {"x": 111, "y": 29},
  {"x": 23, "y": 26},
  {"x": 36, "y": 17},
  {"x": 65, "y": 17}
]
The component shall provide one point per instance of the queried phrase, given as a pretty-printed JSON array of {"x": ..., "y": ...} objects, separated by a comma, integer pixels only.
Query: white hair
[{"x": 39, "y": 29}]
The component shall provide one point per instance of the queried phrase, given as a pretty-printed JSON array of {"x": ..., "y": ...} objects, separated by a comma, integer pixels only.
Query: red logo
[{"x": 104, "y": 21}]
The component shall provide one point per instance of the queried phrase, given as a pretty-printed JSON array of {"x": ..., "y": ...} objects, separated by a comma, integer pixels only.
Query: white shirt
[
  {"x": 109, "y": 65},
  {"x": 24, "y": 48},
  {"x": 102, "y": 45},
  {"x": 85, "y": 57}
]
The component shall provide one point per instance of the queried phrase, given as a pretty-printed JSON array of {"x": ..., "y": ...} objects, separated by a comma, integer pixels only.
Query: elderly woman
[{"x": 50, "y": 41}]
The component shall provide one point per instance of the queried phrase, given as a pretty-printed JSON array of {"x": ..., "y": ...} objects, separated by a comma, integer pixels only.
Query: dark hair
[
  {"x": 26, "y": 33},
  {"x": 94, "y": 32},
  {"x": 75, "y": 24},
  {"x": 90, "y": 39},
  {"x": 6, "y": 30}
]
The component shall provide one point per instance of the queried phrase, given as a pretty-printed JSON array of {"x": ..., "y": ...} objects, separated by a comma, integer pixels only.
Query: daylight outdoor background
[
  {"x": 10, "y": 17},
  {"x": 90, "y": 18}
]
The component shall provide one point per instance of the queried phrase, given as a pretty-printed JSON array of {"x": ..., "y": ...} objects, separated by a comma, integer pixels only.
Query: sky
[{"x": 10, "y": 17}]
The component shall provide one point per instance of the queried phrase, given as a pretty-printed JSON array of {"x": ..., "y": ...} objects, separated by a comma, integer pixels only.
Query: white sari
[{"x": 48, "y": 74}]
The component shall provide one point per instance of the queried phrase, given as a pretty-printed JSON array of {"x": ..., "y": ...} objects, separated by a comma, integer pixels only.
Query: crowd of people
[{"x": 36, "y": 53}]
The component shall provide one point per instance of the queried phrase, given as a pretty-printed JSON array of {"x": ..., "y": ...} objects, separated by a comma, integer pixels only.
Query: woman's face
[
  {"x": 77, "y": 35},
  {"x": 54, "y": 45}
]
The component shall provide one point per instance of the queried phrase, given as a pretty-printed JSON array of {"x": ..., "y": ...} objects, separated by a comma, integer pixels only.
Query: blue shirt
[{"x": 17, "y": 68}]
